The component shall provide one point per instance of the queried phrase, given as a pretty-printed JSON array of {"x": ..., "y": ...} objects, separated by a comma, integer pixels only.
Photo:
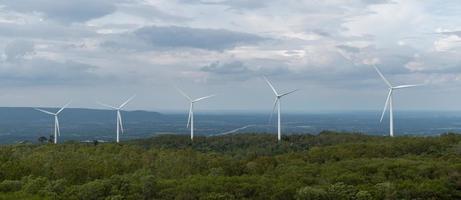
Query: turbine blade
[
  {"x": 405, "y": 86},
  {"x": 190, "y": 115},
  {"x": 44, "y": 111},
  {"x": 272, "y": 87},
  {"x": 184, "y": 94},
  {"x": 273, "y": 109},
  {"x": 385, "y": 105},
  {"x": 126, "y": 102},
  {"x": 108, "y": 106},
  {"x": 382, "y": 76},
  {"x": 67, "y": 104},
  {"x": 202, "y": 98},
  {"x": 288, "y": 92}
]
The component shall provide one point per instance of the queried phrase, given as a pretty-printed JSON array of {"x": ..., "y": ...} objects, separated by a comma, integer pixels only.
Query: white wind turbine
[
  {"x": 389, "y": 101},
  {"x": 190, "y": 119},
  {"x": 57, "y": 132},
  {"x": 119, "y": 115},
  {"x": 277, "y": 102}
]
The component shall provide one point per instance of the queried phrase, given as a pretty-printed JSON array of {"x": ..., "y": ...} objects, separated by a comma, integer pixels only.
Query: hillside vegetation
[{"x": 244, "y": 166}]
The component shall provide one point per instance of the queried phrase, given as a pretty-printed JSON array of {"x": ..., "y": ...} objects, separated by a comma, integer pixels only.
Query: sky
[{"x": 108, "y": 50}]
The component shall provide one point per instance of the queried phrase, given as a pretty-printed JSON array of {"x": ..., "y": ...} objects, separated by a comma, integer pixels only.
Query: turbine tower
[
  {"x": 119, "y": 115},
  {"x": 57, "y": 132},
  {"x": 277, "y": 103},
  {"x": 389, "y": 100},
  {"x": 190, "y": 119}
]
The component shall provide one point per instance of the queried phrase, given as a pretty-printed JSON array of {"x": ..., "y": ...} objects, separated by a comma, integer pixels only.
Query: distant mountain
[
  {"x": 22, "y": 123},
  {"x": 26, "y": 124},
  {"x": 22, "y": 114}
]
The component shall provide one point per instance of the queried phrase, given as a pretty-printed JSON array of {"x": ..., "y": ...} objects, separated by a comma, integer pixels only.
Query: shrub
[
  {"x": 34, "y": 185},
  {"x": 10, "y": 186},
  {"x": 363, "y": 195},
  {"x": 311, "y": 193},
  {"x": 341, "y": 191}
]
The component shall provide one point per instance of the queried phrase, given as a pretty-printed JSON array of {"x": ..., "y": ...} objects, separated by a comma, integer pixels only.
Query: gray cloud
[
  {"x": 34, "y": 72},
  {"x": 155, "y": 37},
  {"x": 232, "y": 70},
  {"x": 236, "y": 70},
  {"x": 256, "y": 4},
  {"x": 248, "y": 4},
  {"x": 347, "y": 48},
  {"x": 44, "y": 30},
  {"x": 339, "y": 73},
  {"x": 235, "y": 4},
  {"x": 65, "y": 10},
  {"x": 18, "y": 49},
  {"x": 435, "y": 63},
  {"x": 211, "y": 39},
  {"x": 233, "y": 67},
  {"x": 151, "y": 12},
  {"x": 376, "y": 1},
  {"x": 17, "y": 69},
  {"x": 457, "y": 33},
  {"x": 315, "y": 44}
]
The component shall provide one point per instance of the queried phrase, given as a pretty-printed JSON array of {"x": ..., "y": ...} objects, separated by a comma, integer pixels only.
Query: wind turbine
[
  {"x": 190, "y": 119},
  {"x": 119, "y": 115},
  {"x": 56, "y": 121},
  {"x": 277, "y": 102},
  {"x": 389, "y": 100}
]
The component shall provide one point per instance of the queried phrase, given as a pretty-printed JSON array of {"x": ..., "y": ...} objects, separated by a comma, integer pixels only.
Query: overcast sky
[{"x": 53, "y": 51}]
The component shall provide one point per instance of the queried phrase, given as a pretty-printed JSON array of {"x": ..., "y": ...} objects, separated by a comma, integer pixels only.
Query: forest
[{"x": 329, "y": 165}]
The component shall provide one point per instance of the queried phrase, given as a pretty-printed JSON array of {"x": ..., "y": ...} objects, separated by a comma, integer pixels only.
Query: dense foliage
[{"x": 244, "y": 166}]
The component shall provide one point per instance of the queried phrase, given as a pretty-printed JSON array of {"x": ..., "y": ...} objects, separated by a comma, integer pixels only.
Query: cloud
[
  {"x": 169, "y": 37},
  {"x": 18, "y": 49},
  {"x": 67, "y": 11},
  {"x": 234, "y": 70},
  {"x": 150, "y": 12},
  {"x": 457, "y": 33},
  {"x": 435, "y": 63},
  {"x": 348, "y": 48},
  {"x": 235, "y": 4},
  {"x": 451, "y": 42},
  {"x": 44, "y": 30},
  {"x": 19, "y": 69},
  {"x": 211, "y": 39},
  {"x": 37, "y": 71},
  {"x": 247, "y": 4},
  {"x": 143, "y": 43},
  {"x": 257, "y": 4}
]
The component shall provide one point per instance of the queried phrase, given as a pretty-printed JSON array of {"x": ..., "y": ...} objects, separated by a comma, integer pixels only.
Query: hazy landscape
[{"x": 27, "y": 124}]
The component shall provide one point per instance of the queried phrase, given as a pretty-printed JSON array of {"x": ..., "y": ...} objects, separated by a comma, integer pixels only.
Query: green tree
[
  {"x": 311, "y": 193},
  {"x": 341, "y": 191}
]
